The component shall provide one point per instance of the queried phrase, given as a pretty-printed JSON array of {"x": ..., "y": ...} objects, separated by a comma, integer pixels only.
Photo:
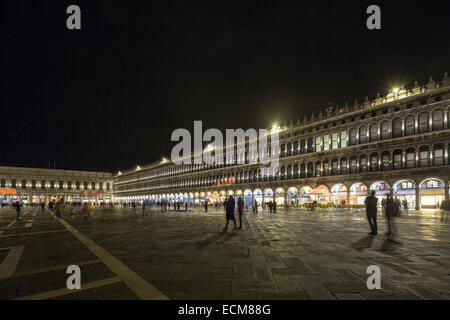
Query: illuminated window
[
  {"x": 326, "y": 142},
  {"x": 343, "y": 138},
  {"x": 438, "y": 155},
  {"x": 318, "y": 144},
  {"x": 397, "y": 128},
  {"x": 385, "y": 133},
  {"x": 334, "y": 140},
  {"x": 398, "y": 159}
]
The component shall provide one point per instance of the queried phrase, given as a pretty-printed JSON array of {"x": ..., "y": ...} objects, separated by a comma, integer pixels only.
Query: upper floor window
[
  {"x": 423, "y": 122},
  {"x": 61, "y": 185},
  {"x": 373, "y": 132},
  {"x": 108, "y": 186},
  {"x": 343, "y": 138},
  {"x": 363, "y": 134},
  {"x": 353, "y": 137},
  {"x": 396, "y": 128},
  {"x": 334, "y": 140},
  {"x": 326, "y": 142},
  {"x": 410, "y": 125},
  {"x": 24, "y": 184},
  {"x": 385, "y": 132},
  {"x": 3, "y": 183},
  {"x": 318, "y": 144},
  {"x": 438, "y": 120}
]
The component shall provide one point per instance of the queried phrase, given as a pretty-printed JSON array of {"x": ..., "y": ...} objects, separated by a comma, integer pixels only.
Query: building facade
[
  {"x": 395, "y": 144},
  {"x": 35, "y": 185}
]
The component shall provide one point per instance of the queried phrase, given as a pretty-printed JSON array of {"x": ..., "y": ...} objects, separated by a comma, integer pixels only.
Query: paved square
[{"x": 293, "y": 254}]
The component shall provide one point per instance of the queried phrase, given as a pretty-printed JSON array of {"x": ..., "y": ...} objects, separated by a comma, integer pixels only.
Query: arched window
[
  {"x": 410, "y": 158},
  {"x": 353, "y": 136},
  {"x": 424, "y": 156},
  {"x": 353, "y": 165},
  {"x": 438, "y": 120},
  {"x": 423, "y": 122},
  {"x": 373, "y": 132},
  {"x": 303, "y": 170},
  {"x": 3, "y": 183},
  {"x": 374, "y": 162},
  {"x": 363, "y": 163},
  {"x": 283, "y": 150},
  {"x": 296, "y": 171},
  {"x": 385, "y": 161},
  {"x": 289, "y": 172},
  {"x": 363, "y": 134},
  {"x": 296, "y": 148},
  {"x": 410, "y": 123},
  {"x": 289, "y": 149},
  {"x": 344, "y": 168},
  {"x": 309, "y": 170},
  {"x": 385, "y": 132},
  {"x": 317, "y": 169},
  {"x": 302, "y": 147},
  {"x": 310, "y": 145},
  {"x": 396, "y": 128},
  {"x": 397, "y": 159},
  {"x": 334, "y": 167},
  {"x": 438, "y": 154}
]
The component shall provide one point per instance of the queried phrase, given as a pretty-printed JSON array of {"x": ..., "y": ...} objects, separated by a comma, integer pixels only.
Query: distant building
[{"x": 36, "y": 185}]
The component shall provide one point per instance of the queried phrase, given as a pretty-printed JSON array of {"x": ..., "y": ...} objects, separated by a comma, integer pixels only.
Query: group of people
[
  {"x": 391, "y": 209},
  {"x": 229, "y": 205}
]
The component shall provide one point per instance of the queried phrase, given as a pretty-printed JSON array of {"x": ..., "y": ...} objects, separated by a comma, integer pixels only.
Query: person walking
[
  {"x": 72, "y": 210},
  {"x": 229, "y": 212},
  {"x": 42, "y": 206},
  {"x": 86, "y": 210},
  {"x": 388, "y": 213},
  {"x": 405, "y": 206},
  {"x": 206, "y": 205},
  {"x": 59, "y": 209},
  {"x": 241, "y": 210},
  {"x": 255, "y": 206},
  {"x": 371, "y": 212},
  {"x": 18, "y": 209}
]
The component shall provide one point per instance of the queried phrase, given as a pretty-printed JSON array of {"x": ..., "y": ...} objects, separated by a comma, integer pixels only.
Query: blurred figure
[
  {"x": 388, "y": 213},
  {"x": 229, "y": 212},
  {"x": 42, "y": 206},
  {"x": 405, "y": 206},
  {"x": 241, "y": 210},
  {"x": 86, "y": 211},
  {"x": 206, "y": 205},
  {"x": 18, "y": 209},
  {"x": 371, "y": 212},
  {"x": 59, "y": 209}
]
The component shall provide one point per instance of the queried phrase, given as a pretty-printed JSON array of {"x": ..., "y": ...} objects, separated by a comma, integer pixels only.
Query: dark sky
[{"x": 109, "y": 96}]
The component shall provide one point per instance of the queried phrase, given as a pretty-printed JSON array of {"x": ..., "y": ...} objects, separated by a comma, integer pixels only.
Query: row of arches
[{"x": 426, "y": 194}]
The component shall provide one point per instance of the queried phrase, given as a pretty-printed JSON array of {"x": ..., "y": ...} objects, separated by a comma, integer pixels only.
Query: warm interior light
[{"x": 395, "y": 90}]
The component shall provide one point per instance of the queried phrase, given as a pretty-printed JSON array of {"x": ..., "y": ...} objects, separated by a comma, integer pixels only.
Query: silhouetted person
[
  {"x": 405, "y": 206},
  {"x": 388, "y": 212},
  {"x": 206, "y": 206},
  {"x": 18, "y": 209},
  {"x": 274, "y": 207},
  {"x": 42, "y": 206},
  {"x": 371, "y": 212},
  {"x": 229, "y": 212},
  {"x": 241, "y": 210}
]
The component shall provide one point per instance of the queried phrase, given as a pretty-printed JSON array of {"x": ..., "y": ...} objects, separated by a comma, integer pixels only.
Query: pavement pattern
[{"x": 294, "y": 254}]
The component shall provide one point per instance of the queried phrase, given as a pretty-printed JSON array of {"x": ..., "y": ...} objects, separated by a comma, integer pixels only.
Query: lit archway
[
  {"x": 358, "y": 193},
  {"x": 431, "y": 193},
  {"x": 339, "y": 194}
]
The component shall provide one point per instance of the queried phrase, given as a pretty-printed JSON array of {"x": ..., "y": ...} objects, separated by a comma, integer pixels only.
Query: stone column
[
  {"x": 348, "y": 195},
  {"x": 417, "y": 198}
]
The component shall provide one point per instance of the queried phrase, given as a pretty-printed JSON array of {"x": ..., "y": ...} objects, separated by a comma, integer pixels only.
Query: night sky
[{"x": 108, "y": 97}]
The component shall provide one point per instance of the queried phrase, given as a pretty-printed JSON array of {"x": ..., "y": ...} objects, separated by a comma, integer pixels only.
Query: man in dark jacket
[
  {"x": 229, "y": 212},
  {"x": 371, "y": 212}
]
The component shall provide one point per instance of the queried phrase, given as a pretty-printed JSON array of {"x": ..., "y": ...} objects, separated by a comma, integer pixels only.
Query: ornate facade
[
  {"x": 395, "y": 144},
  {"x": 34, "y": 185}
]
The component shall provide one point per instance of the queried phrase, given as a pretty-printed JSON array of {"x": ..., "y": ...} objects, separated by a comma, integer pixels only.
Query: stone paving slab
[{"x": 293, "y": 254}]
